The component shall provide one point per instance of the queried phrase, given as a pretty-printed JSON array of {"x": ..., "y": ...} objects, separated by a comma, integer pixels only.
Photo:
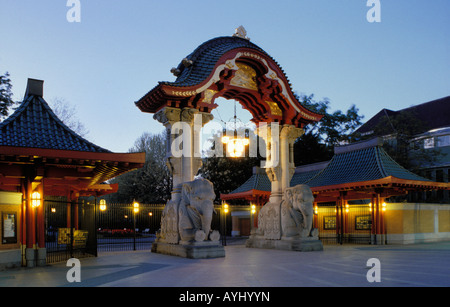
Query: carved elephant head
[
  {"x": 301, "y": 199},
  {"x": 196, "y": 208}
]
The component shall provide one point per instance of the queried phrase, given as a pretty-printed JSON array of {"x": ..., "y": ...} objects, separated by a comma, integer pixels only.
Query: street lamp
[
  {"x": 102, "y": 205},
  {"x": 136, "y": 207},
  {"x": 136, "y": 211},
  {"x": 225, "y": 210}
]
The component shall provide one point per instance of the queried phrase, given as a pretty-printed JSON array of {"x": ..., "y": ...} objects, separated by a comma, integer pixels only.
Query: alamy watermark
[
  {"x": 74, "y": 274},
  {"x": 374, "y": 13},
  {"x": 374, "y": 273},
  {"x": 74, "y": 13}
]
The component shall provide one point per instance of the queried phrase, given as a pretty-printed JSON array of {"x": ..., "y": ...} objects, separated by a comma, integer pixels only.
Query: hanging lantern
[{"x": 235, "y": 145}]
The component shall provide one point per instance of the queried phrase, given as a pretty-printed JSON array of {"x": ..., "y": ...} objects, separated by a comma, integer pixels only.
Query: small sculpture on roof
[{"x": 241, "y": 32}]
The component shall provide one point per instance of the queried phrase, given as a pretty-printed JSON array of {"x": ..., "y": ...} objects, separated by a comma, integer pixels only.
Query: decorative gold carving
[
  {"x": 208, "y": 95},
  {"x": 245, "y": 77},
  {"x": 184, "y": 93},
  {"x": 274, "y": 108}
]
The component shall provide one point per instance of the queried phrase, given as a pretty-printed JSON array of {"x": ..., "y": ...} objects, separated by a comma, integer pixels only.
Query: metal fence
[
  {"x": 119, "y": 227},
  {"x": 69, "y": 230},
  {"x": 82, "y": 229}
]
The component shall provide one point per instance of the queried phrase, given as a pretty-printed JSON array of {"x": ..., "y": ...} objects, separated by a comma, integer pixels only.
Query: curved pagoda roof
[
  {"x": 365, "y": 167},
  {"x": 209, "y": 71},
  {"x": 259, "y": 183},
  {"x": 35, "y": 125},
  {"x": 205, "y": 57},
  {"x": 358, "y": 169},
  {"x": 37, "y": 146}
]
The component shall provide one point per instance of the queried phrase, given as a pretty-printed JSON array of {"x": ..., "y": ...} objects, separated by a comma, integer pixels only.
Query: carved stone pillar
[
  {"x": 279, "y": 164},
  {"x": 183, "y": 152},
  {"x": 288, "y": 135},
  {"x": 270, "y": 134}
]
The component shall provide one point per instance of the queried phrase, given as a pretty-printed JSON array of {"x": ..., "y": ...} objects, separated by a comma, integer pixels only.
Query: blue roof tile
[
  {"x": 363, "y": 164},
  {"x": 35, "y": 125}
]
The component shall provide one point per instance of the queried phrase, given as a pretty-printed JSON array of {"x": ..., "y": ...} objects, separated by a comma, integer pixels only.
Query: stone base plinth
[
  {"x": 192, "y": 250},
  {"x": 309, "y": 244}
]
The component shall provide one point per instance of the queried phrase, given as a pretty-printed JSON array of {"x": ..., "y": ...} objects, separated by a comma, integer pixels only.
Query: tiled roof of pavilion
[
  {"x": 36, "y": 144},
  {"x": 305, "y": 172},
  {"x": 258, "y": 181},
  {"x": 361, "y": 162},
  {"x": 35, "y": 125}
]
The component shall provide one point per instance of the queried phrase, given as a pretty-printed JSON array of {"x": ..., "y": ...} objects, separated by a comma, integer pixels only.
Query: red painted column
[
  {"x": 316, "y": 216},
  {"x": 373, "y": 230},
  {"x": 69, "y": 206},
  {"x": 40, "y": 218},
  {"x": 378, "y": 216},
  {"x": 75, "y": 215},
  {"x": 338, "y": 219},
  {"x": 23, "y": 215},
  {"x": 30, "y": 217}
]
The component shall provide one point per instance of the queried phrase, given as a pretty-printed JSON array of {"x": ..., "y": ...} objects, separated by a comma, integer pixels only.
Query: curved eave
[
  {"x": 388, "y": 182},
  {"x": 245, "y": 195},
  {"x": 77, "y": 168},
  {"x": 138, "y": 157}
]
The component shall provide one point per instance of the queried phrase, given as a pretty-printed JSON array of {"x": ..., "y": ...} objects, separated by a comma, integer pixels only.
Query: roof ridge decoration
[
  {"x": 213, "y": 70},
  {"x": 35, "y": 125},
  {"x": 241, "y": 32}
]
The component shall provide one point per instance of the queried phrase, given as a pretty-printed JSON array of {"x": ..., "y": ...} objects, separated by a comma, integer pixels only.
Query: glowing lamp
[
  {"x": 102, "y": 205},
  {"x": 136, "y": 207},
  {"x": 35, "y": 199}
]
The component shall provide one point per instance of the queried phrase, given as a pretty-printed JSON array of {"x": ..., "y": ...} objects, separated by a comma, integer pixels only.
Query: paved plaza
[{"x": 421, "y": 265}]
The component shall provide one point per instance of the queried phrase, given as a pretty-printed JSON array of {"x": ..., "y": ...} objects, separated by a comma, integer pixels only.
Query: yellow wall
[
  {"x": 410, "y": 218},
  {"x": 415, "y": 223},
  {"x": 444, "y": 220}
]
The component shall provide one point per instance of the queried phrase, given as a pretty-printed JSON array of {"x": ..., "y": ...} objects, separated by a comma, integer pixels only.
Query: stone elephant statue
[
  {"x": 297, "y": 212},
  {"x": 190, "y": 219},
  {"x": 293, "y": 217}
]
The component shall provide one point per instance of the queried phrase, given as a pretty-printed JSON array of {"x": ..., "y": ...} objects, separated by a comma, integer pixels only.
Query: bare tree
[{"x": 67, "y": 113}]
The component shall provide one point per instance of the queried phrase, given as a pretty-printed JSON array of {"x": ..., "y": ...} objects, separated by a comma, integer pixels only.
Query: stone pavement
[{"x": 422, "y": 265}]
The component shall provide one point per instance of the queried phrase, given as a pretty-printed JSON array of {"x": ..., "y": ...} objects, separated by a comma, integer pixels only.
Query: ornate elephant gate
[{"x": 234, "y": 68}]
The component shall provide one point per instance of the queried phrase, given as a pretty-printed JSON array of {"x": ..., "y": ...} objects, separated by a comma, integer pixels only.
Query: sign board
[
  {"x": 63, "y": 235},
  {"x": 79, "y": 237},
  {"x": 9, "y": 228}
]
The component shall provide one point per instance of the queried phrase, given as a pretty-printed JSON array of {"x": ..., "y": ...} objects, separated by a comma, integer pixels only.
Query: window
[
  {"x": 443, "y": 140},
  {"x": 440, "y": 175},
  {"x": 428, "y": 143}
]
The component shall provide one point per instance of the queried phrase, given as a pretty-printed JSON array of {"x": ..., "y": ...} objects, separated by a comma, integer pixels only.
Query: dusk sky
[{"x": 121, "y": 49}]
